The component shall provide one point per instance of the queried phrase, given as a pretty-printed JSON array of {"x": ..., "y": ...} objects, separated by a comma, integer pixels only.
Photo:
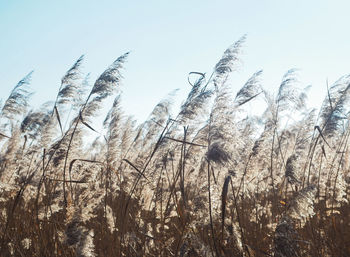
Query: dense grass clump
[{"x": 209, "y": 181}]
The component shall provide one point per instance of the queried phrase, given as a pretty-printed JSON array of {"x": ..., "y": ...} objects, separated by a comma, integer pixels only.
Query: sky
[{"x": 169, "y": 39}]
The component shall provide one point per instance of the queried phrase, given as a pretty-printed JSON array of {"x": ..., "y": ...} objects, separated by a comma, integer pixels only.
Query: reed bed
[{"x": 211, "y": 180}]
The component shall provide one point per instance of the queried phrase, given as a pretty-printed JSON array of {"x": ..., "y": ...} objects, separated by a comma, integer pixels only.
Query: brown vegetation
[{"x": 210, "y": 181}]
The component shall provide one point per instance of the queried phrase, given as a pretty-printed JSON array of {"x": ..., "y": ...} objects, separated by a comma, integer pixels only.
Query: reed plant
[{"x": 210, "y": 180}]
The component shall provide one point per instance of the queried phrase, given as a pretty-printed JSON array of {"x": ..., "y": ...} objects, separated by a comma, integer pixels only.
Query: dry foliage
[{"x": 209, "y": 181}]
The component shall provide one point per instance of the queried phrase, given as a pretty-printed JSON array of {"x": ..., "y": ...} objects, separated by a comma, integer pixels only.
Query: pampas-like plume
[
  {"x": 70, "y": 91},
  {"x": 289, "y": 96},
  {"x": 227, "y": 62},
  {"x": 113, "y": 117},
  {"x": 104, "y": 86},
  {"x": 69, "y": 88},
  {"x": 291, "y": 170},
  {"x": 195, "y": 101},
  {"x": 35, "y": 121},
  {"x": 301, "y": 208},
  {"x": 334, "y": 107},
  {"x": 303, "y": 131},
  {"x": 250, "y": 90},
  {"x": 113, "y": 124},
  {"x": 17, "y": 103},
  {"x": 157, "y": 119},
  {"x": 285, "y": 91}
]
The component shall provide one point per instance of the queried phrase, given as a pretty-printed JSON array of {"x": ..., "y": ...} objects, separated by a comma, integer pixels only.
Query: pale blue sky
[{"x": 168, "y": 39}]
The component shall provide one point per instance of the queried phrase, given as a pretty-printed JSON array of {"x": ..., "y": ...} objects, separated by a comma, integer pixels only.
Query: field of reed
[{"x": 211, "y": 180}]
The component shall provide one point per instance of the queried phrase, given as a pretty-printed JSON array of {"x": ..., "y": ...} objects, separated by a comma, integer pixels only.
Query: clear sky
[{"x": 168, "y": 39}]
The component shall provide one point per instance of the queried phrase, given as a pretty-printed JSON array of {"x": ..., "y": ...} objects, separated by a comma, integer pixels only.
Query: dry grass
[{"x": 209, "y": 181}]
